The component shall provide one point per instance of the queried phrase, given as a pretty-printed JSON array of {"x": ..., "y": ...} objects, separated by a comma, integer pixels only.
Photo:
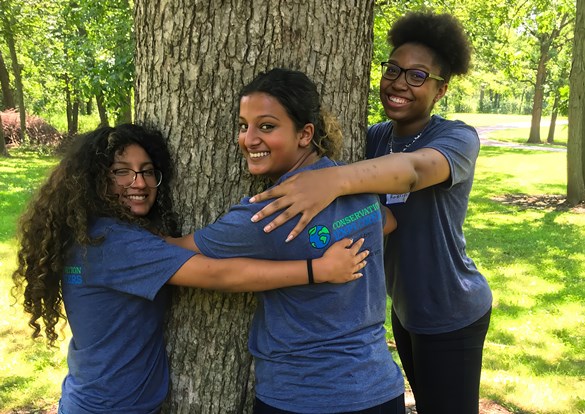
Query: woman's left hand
[{"x": 341, "y": 262}]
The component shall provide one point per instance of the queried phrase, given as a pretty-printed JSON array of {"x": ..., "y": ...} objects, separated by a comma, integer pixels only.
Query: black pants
[
  {"x": 443, "y": 370},
  {"x": 395, "y": 406}
]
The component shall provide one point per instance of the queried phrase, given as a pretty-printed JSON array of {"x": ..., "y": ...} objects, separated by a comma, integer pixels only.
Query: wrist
[{"x": 319, "y": 270}]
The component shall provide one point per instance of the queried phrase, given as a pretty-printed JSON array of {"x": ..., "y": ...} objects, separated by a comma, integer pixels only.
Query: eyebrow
[
  {"x": 126, "y": 163},
  {"x": 264, "y": 116},
  {"x": 420, "y": 66}
]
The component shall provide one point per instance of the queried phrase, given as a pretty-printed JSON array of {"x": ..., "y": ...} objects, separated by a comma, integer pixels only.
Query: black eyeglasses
[
  {"x": 125, "y": 177},
  {"x": 414, "y": 77}
]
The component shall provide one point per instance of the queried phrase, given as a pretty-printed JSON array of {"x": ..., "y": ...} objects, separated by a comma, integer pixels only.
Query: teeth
[
  {"x": 258, "y": 154},
  {"x": 136, "y": 197},
  {"x": 397, "y": 99}
]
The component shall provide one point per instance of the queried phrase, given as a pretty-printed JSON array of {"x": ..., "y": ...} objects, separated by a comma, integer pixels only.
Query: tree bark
[
  {"x": 192, "y": 58},
  {"x": 576, "y": 141},
  {"x": 7, "y": 95},
  {"x": 550, "y": 139}
]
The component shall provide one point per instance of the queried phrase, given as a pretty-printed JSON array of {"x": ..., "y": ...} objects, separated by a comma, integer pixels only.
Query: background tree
[
  {"x": 576, "y": 141},
  {"x": 548, "y": 23},
  {"x": 9, "y": 24},
  {"x": 192, "y": 59},
  {"x": 7, "y": 95}
]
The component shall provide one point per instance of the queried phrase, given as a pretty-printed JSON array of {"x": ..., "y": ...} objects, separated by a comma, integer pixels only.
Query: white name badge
[{"x": 396, "y": 198}]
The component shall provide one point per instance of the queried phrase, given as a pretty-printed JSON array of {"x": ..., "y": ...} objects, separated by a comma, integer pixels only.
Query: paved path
[{"x": 485, "y": 130}]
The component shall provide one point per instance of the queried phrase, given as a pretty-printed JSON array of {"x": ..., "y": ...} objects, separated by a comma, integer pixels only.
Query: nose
[
  {"x": 400, "y": 81},
  {"x": 139, "y": 181},
  {"x": 250, "y": 137}
]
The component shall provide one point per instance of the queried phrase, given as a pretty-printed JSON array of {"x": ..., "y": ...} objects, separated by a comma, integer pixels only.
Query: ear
[
  {"x": 306, "y": 135},
  {"x": 441, "y": 92}
]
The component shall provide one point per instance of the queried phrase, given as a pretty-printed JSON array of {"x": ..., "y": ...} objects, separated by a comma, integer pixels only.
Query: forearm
[
  {"x": 246, "y": 275},
  {"x": 390, "y": 174}
]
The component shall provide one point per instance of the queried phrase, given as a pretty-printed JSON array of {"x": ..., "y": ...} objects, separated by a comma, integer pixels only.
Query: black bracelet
[{"x": 310, "y": 271}]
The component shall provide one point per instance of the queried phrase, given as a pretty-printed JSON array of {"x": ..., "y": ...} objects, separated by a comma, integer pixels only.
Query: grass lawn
[
  {"x": 30, "y": 374},
  {"x": 534, "y": 259}
]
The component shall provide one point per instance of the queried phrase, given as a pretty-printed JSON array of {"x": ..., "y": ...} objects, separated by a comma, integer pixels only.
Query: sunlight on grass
[
  {"x": 533, "y": 258},
  {"x": 30, "y": 374}
]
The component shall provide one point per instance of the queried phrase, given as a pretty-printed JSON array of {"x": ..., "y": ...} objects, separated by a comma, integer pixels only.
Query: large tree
[
  {"x": 192, "y": 58},
  {"x": 576, "y": 141}
]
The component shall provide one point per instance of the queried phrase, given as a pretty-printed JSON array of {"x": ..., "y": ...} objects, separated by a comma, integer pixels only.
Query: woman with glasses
[
  {"x": 422, "y": 165},
  {"x": 92, "y": 241}
]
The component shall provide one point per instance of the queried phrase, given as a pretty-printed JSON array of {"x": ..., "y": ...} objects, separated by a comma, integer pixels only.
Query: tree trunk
[
  {"x": 99, "y": 99},
  {"x": 192, "y": 58},
  {"x": 71, "y": 107},
  {"x": 3, "y": 150},
  {"x": 7, "y": 95},
  {"x": 550, "y": 139},
  {"x": 576, "y": 141},
  {"x": 16, "y": 69},
  {"x": 534, "y": 136}
]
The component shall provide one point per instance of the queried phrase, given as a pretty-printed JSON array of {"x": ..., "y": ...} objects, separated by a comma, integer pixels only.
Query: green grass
[
  {"x": 534, "y": 359},
  {"x": 59, "y": 122},
  {"x": 30, "y": 374},
  {"x": 534, "y": 260}
]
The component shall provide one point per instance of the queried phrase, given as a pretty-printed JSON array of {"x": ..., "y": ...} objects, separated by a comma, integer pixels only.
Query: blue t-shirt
[
  {"x": 115, "y": 304},
  {"x": 435, "y": 287},
  {"x": 318, "y": 348}
]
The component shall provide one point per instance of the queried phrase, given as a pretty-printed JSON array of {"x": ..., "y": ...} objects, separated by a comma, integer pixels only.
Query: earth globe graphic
[{"x": 319, "y": 236}]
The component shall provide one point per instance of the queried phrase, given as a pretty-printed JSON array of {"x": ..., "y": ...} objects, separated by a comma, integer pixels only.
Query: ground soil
[{"x": 549, "y": 202}]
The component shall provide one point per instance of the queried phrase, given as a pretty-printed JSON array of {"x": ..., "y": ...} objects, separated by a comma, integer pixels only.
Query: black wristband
[{"x": 310, "y": 271}]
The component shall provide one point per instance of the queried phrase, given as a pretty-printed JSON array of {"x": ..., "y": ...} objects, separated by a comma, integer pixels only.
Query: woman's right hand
[
  {"x": 306, "y": 193},
  {"x": 341, "y": 262}
]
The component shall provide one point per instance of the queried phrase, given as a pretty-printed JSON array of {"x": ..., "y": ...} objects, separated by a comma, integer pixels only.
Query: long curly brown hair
[{"x": 60, "y": 214}]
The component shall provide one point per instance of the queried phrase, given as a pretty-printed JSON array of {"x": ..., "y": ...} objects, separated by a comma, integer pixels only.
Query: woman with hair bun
[
  {"x": 317, "y": 349},
  {"x": 422, "y": 166}
]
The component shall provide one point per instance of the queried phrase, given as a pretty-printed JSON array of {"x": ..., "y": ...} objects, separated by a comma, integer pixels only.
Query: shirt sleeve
[
  {"x": 459, "y": 143},
  {"x": 234, "y": 235},
  {"x": 135, "y": 261}
]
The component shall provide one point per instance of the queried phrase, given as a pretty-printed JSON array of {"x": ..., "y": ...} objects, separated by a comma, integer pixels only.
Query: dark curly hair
[
  {"x": 443, "y": 34},
  {"x": 62, "y": 211},
  {"x": 298, "y": 94}
]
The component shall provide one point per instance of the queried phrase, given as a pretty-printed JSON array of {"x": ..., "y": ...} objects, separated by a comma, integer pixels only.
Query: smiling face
[
  {"x": 269, "y": 139},
  {"x": 139, "y": 197},
  {"x": 410, "y": 106}
]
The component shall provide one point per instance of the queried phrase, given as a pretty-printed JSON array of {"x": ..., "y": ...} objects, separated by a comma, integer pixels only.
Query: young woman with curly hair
[
  {"x": 423, "y": 167},
  {"x": 92, "y": 241}
]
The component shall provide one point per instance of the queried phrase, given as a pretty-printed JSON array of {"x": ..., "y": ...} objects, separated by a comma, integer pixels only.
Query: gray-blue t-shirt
[
  {"x": 317, "y": 348},
  {"x": 435, "y": 287},
  {"x": 115, "y": 303}
]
